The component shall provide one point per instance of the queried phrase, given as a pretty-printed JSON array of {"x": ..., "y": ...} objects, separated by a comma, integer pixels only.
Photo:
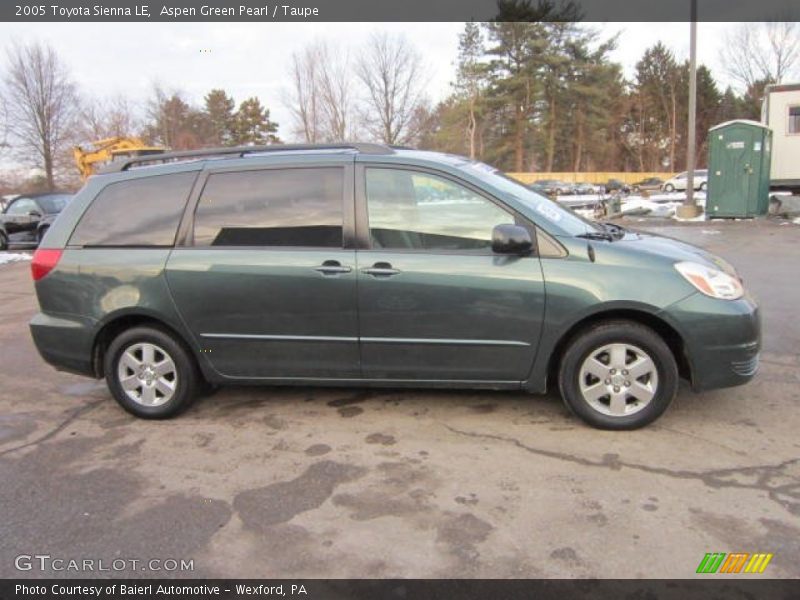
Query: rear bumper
[
  {"x": 722, "y": 339},
  {"x": 65, "y": 342}
]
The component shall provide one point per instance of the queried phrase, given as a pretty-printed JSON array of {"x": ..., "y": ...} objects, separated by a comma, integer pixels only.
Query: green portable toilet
[{"x": 738, "y": 169}]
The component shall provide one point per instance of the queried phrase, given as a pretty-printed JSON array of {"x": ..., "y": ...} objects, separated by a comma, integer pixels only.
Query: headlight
[{"x": 711, "y": 282}]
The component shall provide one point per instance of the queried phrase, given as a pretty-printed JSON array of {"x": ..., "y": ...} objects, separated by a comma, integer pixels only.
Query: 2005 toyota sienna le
[{"x": 365, "y": 265}]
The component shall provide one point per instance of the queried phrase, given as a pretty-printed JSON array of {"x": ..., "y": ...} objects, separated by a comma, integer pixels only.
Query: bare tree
[
  {"x": 107, "y": 118},
  {"x": 335, "y": 87},
  {"x": 320, "y": 95},
  {"x": 303, "y": 97},
  {"x": 40, "y": 101},
  {"x": 391, "y": 73},
  {"x": 172, "y": 122},
  {"x": 758, "y": 52}
]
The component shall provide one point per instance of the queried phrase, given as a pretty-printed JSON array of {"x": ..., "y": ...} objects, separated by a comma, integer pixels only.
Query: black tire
[
  {"x": 3, "y": 241},
  {"x": 669, "y": 188},
  {"x": 599, "y": 336},
  {"x": 187, "y": 376}
]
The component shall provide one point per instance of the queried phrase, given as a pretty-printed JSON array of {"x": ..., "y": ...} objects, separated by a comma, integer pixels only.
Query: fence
[{"x": 593, "y": 177}]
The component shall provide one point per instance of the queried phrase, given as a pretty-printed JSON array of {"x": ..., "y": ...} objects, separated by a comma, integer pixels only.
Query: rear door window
[
  {"x": 297, "y": 207},
  {"x": 138, "y": 212}
]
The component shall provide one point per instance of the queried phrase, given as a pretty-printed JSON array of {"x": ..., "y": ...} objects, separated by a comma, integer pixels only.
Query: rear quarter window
[{"x": 137, "y": 212}]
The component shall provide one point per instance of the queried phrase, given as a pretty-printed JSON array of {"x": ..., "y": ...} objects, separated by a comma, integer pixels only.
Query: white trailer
[{"x": 781, "y": 113}]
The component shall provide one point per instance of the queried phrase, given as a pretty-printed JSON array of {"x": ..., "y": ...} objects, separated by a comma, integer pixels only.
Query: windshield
[
  {"x": 53, "y": 203},
  {"x": 545, "y": 208}
]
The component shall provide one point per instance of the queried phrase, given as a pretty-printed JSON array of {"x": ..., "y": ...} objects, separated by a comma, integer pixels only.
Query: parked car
[
  {"x": 616, "y": 185},
  {"x": 680, "y": 182},
  {"x": 27, "y": 218},
  {"x": 552, "y": 187},
  {"x": 649, "y": 184},
  {"x": 585, "y": 188},
  {"x": 319, "y": 265},
  {"x": 5, "y": 200}
]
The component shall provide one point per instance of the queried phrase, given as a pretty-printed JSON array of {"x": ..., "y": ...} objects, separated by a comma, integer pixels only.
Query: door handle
[
  {"x": 332, "y": 267},
  {"x": 380, "y": 269}
]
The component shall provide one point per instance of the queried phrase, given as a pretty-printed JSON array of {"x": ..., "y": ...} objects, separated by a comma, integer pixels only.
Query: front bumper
[{"x": 722, "y": 339}]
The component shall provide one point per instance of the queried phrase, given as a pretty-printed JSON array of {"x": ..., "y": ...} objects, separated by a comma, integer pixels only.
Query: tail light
[{"x": 44, "y": 261}]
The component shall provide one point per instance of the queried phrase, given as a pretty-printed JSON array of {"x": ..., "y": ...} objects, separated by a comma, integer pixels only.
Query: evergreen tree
[
  {"x": 471, "y": 82},
  {"x": 731, "y": 106},
  {"x": 754, "y": 97},
  {"x": 220, "y": 110},
  {"x": 515, "y": 87},
  {"x": 657, "y": 87},
  {"x": 253, "y": 125},
  {"x": 173, "y": 122},
  {"x": 708, "y": 106},
  {"x": 593, "y": 92}
]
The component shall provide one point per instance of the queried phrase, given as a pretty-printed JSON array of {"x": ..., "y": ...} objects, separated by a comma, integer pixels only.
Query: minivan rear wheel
[
  {"x": 618, "y": 375},
  {"x": 150, "y": 374}
]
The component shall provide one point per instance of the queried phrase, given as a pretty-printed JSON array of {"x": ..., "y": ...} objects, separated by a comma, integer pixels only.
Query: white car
[{"x": 679, "y": 183}]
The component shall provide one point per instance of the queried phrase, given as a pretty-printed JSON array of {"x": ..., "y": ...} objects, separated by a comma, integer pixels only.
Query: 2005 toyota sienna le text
[{"x": 365, "y": 265}]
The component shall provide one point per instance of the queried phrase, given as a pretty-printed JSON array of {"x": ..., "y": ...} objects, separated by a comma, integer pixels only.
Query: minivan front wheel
[
  {"x": 150, "y": 374},
  {"x": 618, "y": 375}
]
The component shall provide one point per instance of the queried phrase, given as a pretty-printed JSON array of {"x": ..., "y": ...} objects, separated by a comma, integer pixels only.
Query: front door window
[{"x": 410, "y": 210}]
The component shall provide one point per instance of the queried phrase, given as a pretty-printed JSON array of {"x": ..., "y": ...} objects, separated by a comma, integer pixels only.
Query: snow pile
[
  {"x": 661, "y": 205},
  {"x": 9, "y": 257},
  {"x": 637, "y": 205}
]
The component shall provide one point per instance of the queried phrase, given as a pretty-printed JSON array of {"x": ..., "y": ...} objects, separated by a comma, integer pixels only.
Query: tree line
[
  {"x": 525, "y": 96},
  {"x": 547, "y": 97}
]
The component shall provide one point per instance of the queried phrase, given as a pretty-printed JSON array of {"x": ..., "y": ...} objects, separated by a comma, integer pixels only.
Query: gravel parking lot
[{"x": 297, "y": 482}]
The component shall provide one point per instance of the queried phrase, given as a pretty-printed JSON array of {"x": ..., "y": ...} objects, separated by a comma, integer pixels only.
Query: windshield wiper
[
  {"x": 617, "y": 230},
  {"x": 597, "y": 235}
]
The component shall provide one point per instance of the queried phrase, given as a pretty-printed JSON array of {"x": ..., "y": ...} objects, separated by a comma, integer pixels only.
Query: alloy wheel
[
  {"x": 147, "y": 374},
  {"x": 618, "y": 380}
]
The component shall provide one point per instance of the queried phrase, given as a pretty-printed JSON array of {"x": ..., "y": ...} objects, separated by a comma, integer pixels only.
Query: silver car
[{"x": 679, "y": 182}]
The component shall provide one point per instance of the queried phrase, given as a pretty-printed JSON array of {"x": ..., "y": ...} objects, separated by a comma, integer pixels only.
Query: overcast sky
[{"x": 249, "y": 59}]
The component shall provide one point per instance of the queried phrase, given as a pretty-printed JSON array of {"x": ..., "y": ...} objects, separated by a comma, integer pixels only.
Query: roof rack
[{"x": 125, "y": 163}]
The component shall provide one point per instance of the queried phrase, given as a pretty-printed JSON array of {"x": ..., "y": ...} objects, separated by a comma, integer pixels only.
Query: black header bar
[
  {"x": 731, "y": 588},
  {"x": 395, "y": 10}
]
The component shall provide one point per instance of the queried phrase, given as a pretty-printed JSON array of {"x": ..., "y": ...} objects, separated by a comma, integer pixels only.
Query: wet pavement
[{"x": 302, "y": 482}]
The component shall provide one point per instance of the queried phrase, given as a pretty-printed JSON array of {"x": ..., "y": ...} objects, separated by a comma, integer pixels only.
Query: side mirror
[{"x": 511, "y": 239}]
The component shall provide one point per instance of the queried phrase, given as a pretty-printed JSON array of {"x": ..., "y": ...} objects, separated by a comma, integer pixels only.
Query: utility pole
[{"x": 689, "y": 208}]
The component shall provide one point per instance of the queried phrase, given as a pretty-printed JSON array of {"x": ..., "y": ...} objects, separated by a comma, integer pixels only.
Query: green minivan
[{"x": 368, "y": 265}]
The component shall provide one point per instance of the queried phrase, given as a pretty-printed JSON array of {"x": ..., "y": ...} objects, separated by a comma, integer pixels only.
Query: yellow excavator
[{"x": 104, "y": 151}]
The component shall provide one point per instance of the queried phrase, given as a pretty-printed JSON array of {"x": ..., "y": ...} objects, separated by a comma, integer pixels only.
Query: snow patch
[
  {"x": 9, "y": 257},
  {"x": 641, "y": 206}
]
